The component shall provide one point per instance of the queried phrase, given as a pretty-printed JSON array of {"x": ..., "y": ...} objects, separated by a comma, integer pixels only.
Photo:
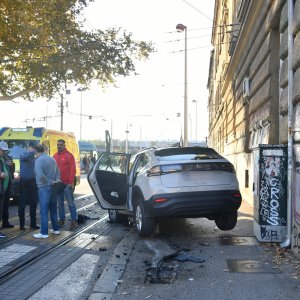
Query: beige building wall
[
  {"x": 250, "y": 39},
  {"x": 247, "y": 54},
  {"x": 296, "y": 123}
]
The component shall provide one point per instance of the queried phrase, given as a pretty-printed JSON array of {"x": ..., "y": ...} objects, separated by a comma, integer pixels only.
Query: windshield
[
  {"x": 188, "y": 153},
  {"x": 16, "y": 147}
]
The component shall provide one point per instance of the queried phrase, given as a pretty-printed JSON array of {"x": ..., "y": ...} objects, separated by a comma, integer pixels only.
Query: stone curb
[{"x": 109, "y": 279}]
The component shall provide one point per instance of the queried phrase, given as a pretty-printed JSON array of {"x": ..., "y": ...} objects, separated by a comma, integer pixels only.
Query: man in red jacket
[{"x": 66, "y": 165}]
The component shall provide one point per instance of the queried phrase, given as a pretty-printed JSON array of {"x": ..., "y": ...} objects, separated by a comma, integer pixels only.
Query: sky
[{"x": 148, "y": 105}]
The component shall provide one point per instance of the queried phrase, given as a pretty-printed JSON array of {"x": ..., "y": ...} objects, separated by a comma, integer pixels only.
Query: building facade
[{"x": 248, "y": 88}]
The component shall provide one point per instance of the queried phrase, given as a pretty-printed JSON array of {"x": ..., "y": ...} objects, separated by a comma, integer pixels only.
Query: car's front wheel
[
  {"x": 226, "y": 220},
  {"x": 144, "y": 226},
  {"x": 115, "y": 217}
]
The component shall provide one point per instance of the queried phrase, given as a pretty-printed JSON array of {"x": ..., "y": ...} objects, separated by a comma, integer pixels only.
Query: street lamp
[
  {"x": 126, "y": 141},
  {"x": 80, "y": 90},
  {"x": 195, "y": 101},
  {"x": 181, "y": 28}
]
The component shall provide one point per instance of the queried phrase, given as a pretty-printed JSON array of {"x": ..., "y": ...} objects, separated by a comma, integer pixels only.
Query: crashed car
[{"x": 186, "y": 182}]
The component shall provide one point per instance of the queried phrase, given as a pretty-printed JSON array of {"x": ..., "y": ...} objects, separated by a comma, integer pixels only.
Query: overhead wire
[
  {"x": 199, "y": 11},
  {"x": 189, "y": 38}
]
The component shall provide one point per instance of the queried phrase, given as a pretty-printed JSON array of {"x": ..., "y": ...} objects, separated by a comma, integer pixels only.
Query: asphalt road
[{"x": 121, "y": 265}]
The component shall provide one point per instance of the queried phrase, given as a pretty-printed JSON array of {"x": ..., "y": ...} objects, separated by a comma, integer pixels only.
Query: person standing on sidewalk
[
  {"x": 5, "y": 185},
  {"x": 46, "y": 173},
  {"x": 28, "y": 188},
  {"x": 66, "y": 165}
]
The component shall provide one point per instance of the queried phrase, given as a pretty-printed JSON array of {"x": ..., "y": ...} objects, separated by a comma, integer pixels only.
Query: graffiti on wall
[{"x": 272, "y": 191}]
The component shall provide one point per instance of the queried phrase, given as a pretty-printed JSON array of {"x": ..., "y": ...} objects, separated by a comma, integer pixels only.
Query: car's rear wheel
[
  {"x": 115, "y": 217},
  {"x": 144, "y": 226},
  {"x": 226, "y": 220}
]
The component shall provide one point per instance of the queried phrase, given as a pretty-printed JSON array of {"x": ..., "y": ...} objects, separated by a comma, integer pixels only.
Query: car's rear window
[{"x": 195, "y": 153}]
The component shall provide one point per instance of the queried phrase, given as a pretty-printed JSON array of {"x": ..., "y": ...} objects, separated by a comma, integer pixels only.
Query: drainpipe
[{"x": 287, "y": 241}]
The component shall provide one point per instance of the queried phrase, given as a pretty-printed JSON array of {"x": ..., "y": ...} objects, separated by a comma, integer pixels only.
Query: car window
[
  {"x": 144, "y": 161},
  {"x": 112, "y": 163},
  {"x": 132, "y": 161},
  {"x": 189, "y": 153}
]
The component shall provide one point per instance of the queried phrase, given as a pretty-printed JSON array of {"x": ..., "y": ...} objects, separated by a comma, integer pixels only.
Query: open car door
[{"x": 109, "y": 180}]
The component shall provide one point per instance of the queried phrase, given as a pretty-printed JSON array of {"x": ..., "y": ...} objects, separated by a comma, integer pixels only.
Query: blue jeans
[
  {"x": 68, "y": 194},
  {"x": 47, "y": 202}
]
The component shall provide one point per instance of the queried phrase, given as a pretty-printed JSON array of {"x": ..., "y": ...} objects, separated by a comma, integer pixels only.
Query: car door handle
[{"x": 114, "y": 194}]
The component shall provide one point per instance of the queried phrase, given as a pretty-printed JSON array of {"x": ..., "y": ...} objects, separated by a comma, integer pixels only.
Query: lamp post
[
  {"x": 181, "y": 28},
  {"x": 80, "y": 90},
  {"x": 195, "y": 101},
  {"x": 126, "y": 141}
]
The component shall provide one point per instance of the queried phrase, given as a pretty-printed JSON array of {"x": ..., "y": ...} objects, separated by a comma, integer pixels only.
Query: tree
[{"x": 44, "y": 47}]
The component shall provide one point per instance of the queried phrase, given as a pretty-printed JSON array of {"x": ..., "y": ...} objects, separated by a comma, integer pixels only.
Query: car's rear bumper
[{"x": 192, "y": 204}]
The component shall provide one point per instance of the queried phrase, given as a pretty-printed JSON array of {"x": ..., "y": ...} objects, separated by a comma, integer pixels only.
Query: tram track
[
  {"x": 19, "y": 234},
  {"x": 9, "y": 273}
]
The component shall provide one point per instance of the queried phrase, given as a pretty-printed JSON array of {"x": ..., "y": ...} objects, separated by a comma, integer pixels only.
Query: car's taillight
[
  {"x": 160, "y": 200},
  {"x": 165, "y": 169},
  {"x": 171, "y": 168},
  {"x": 154, "y": 171},
  {"x": 237, "y": 195},
  {"x": 227, "y": 167}
]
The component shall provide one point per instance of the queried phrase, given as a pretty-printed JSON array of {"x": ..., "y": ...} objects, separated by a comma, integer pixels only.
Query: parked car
[{"x": 169, "y": 182}]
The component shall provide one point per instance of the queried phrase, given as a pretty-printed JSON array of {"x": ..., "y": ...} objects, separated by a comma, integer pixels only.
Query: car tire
[
  {"x": 144, "y": 226},
  {"x": 115, "y": 217},
  {"x": 226, "y": 220}
]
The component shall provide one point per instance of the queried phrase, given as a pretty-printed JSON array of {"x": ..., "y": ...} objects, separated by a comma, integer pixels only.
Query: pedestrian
[
  {"x": 122, "y": 163},
  {"x": 46, "y": 173},
  {"x": 84, "y": 161},
  {"x": 88, "y": 165},
  {"x": 93, "y": 159},
  {"x": 28, "y": 188},
  {"x": 66, "y": 164},
  {"x": 6, "y": 173}
]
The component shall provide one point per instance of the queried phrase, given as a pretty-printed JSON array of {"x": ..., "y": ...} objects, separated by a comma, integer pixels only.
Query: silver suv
[{"x": 169, "y": 182}]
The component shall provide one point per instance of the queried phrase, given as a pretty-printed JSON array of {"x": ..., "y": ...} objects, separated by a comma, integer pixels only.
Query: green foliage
[{"x": 43, "y": 47}]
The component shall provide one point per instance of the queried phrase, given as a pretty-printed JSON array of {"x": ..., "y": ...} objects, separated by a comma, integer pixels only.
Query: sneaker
[
  {"x": 2, "y": 235},
  {"x": 73, "y": 225},
  {"x": 8, "y": 225},
  {"x": 55, "y": 231},
  {"x": 40, "y": 236},
  {"x": 35, "y": 227}
]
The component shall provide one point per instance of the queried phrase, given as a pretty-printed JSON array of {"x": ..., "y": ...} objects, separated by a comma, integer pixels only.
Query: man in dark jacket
[
  {"x": 28, "y": 188},
  {"x": 67, "y": 168},
  {"x": 5, "y": 186}
]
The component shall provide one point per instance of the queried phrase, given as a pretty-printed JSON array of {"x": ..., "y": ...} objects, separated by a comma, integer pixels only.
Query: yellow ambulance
[{"x": 18, "y": 140}]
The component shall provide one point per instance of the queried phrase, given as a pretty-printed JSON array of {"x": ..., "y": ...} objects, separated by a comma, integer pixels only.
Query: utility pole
[{"x": 61, "y": 112}]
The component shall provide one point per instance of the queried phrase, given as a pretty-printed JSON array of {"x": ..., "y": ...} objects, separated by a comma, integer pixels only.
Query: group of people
[
  {"x": 88, "y": 162},
  {"x": 39, "y": 174}
]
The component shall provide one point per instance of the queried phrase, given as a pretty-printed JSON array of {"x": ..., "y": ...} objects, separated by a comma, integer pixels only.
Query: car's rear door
[{"x": 109, "y": 180}]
